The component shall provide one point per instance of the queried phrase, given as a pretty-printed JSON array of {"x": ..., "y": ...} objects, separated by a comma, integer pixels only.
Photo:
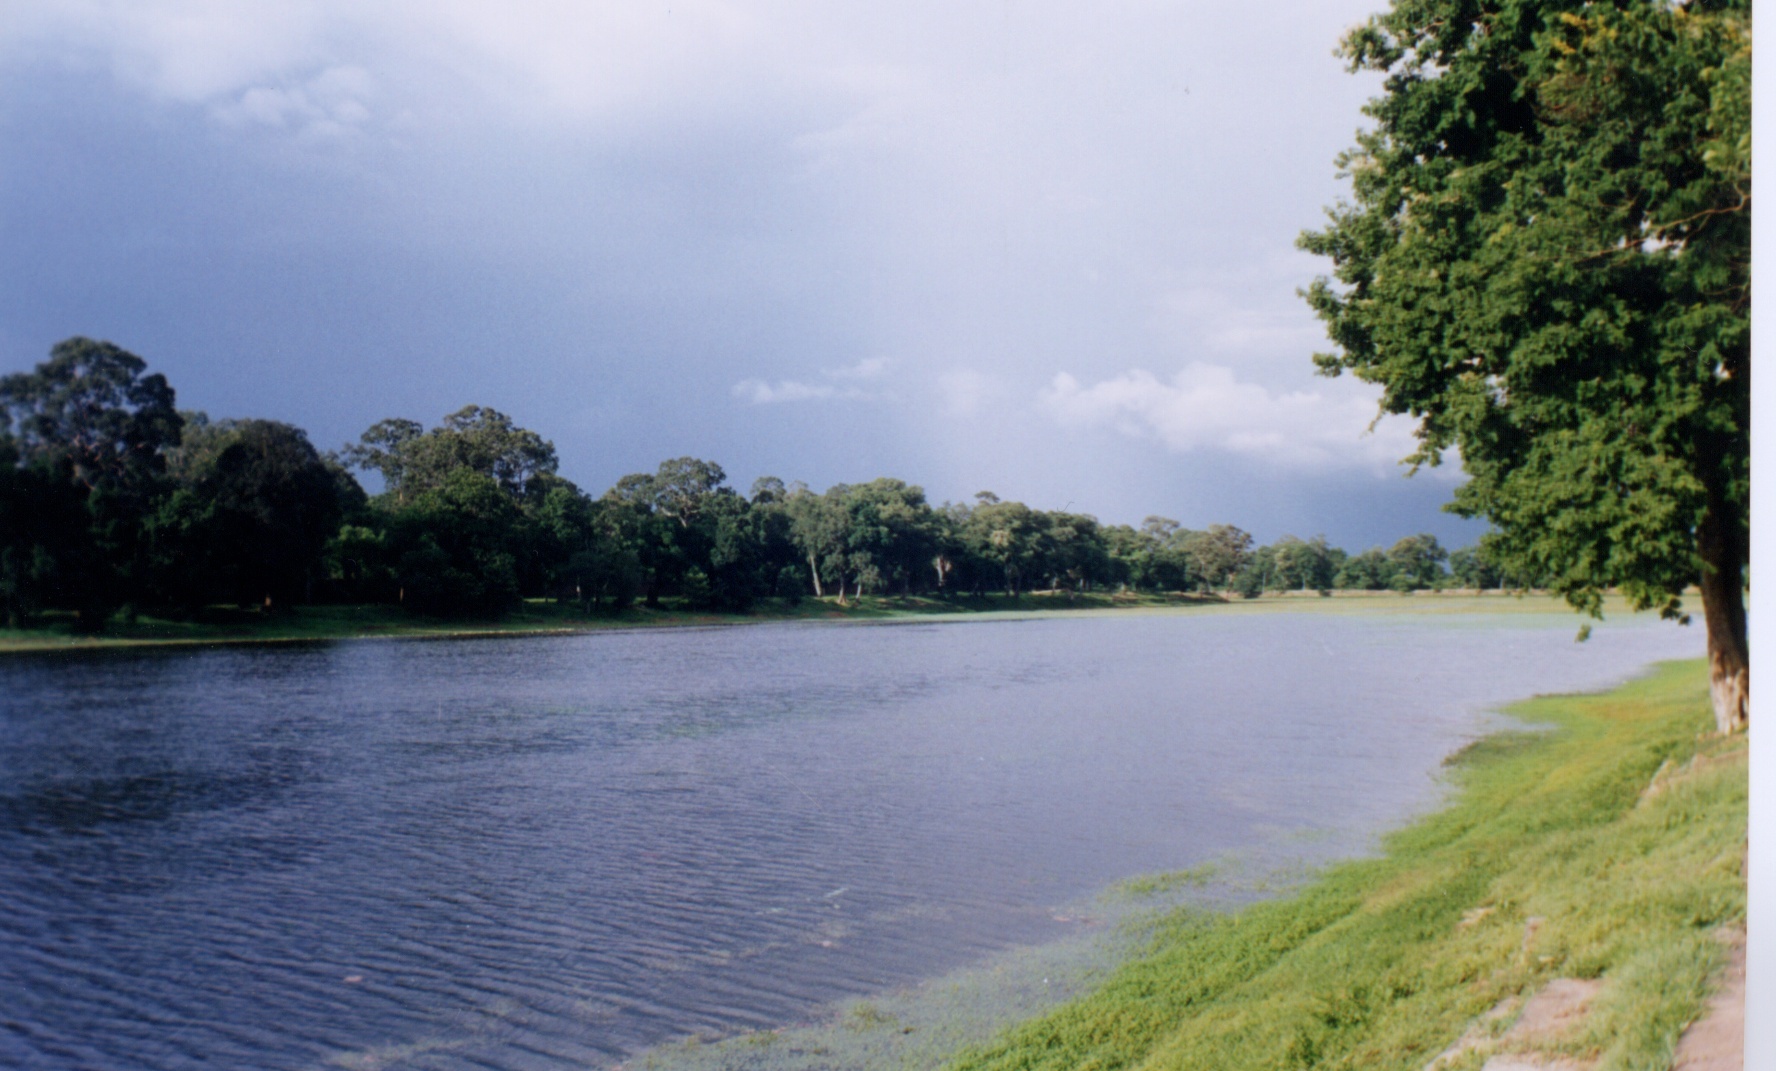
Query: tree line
[{"x": 112, "y": 499}]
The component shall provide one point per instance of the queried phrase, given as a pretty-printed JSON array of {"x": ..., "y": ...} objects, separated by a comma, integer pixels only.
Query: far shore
[{"x": 218, "y": 626}]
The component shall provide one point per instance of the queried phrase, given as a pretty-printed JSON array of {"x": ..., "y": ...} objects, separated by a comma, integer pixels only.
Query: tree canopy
[
  {"x": 111, "y": 500},
  {"x": 93, "y": 408},
  {"x": 87, "y": 431},
  {"x": 1546, "y": 260},
  {"x": 412, "y": 460}
]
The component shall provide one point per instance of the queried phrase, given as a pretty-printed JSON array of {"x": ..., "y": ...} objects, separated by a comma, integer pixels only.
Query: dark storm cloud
[{"x": 1034, "y": 248}]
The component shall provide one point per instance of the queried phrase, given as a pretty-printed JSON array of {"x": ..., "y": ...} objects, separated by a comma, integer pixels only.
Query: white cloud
[
  {"x": 191, "y": 51},
  {"x": 759, "y": 392},
  {"x": 538, "y": 58},
  {"x": 839, "y": 383},
  {"x": 332, "y": 103},
  {"x": 1206, "y": 407}
]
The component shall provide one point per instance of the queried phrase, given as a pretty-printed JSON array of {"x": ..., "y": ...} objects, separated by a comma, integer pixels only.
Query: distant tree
[
  {"x": 1218, "y": 554},
  {"x": 1123, "y": 549},
  {"x": 738, "y": 569},
  {"x": 1159, "y": 529},
  {"x": 456, "y": 544},
  {"x": 92, "y": 421},
  {"x": 789, "y": 585},
  {"x": 1009, "y": 536},
  {"x": 680, "y": 488},
  {"x": 1301, "y": 565},
  {"x": 1079, "y": 556},
  {"x": 817, "y": 527},
  {"x": 890, "y": 529},
  {"x": 774, "y": 530},
  {"x": 1371, "y": 570},
  {"x": 1417, "y": 562},
  {"x": 557, "y": 523},
  {"x": 482, "y": 440},
  {"x": 1470, "y": 569},
  {"x": 1255, "y": 576},
  {"x": 384, "y": 448},
  {"x": 1547, "y": 263},
  {"x": 92, "y": 408},
  {"x": 597, "y": 561},
  {"x": 666, "y": 523},
  {"x": 268, "y": 505},
  {"x": 359, "y": 563},
  {"x": 654, "y": 538},
  {"x": 768, "y": 490},
  {"x": 44, "y": 537},
  {"x": 1164, "y": 562}
]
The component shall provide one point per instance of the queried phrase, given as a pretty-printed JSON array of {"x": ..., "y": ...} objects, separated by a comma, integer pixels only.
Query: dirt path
[{"x": 1716, "y": 1042}]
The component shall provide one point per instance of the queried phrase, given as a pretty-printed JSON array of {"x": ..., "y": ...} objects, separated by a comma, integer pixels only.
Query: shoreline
[
  {"x": 1576, "y": 901},
  {"x": 333, "y": 623}
]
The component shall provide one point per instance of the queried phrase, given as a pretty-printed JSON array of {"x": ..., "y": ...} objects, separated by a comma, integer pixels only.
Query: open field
[
  {"x": 218, "y": 625},
  {"x": 1574, "y": 901}
]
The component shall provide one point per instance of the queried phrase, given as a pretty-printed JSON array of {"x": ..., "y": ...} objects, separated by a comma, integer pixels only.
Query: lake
[{"x": 553, "y": 852}]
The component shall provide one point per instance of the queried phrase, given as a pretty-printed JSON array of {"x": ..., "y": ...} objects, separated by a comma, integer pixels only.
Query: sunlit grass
[
  {"x": 215, "y": 625},
  {"x": 1553, "y": 860}
]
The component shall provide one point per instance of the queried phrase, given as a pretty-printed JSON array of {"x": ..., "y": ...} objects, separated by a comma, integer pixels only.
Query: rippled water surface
[{"x": 551, "y": 852}]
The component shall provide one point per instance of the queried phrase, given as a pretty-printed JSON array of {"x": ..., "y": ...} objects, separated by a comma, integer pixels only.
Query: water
[{"x": 553, "y": 852}]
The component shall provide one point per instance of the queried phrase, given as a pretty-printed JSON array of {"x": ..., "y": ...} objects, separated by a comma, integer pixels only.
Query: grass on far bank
[
  {"x": 221, "y": 624},
  {"x": 224, "y": 624},
  {"x": 1554, "y": 860}
]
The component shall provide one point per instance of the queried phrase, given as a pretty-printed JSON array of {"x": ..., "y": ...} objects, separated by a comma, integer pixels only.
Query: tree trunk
[
  {"x": 814, "y": 572},
  {"x": 1720, "y": 544}
]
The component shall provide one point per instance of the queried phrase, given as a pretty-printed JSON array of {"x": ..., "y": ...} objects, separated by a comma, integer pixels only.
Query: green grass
[
  {"x": 1155, "y": 884},
  {"x": 1552, "y": 861},
  {"x": 539, "y": 616}
]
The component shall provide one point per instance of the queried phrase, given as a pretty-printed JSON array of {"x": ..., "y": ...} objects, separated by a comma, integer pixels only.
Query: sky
[{"x": 1042, "y": 249}]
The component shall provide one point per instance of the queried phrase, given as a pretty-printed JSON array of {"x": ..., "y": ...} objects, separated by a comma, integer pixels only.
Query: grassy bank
[
  {"x": 1610, "y": 848},
  {"x": 226, "y": 625}
]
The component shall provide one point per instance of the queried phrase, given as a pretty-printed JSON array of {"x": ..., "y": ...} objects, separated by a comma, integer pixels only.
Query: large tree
[
  {"x": 91, "y": 427},
  {"x": 413, "y": 461},
  {"x": 1546, "y": 260},
  {"x": 274, "y": 503}
]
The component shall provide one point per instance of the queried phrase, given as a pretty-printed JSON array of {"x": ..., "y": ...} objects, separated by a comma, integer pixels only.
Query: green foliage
[
  {"x": 1154, "y": 557},
  {"x": 269, "y": 504},
  {"x": 457, "y": 547},
  {"x": 1620, "y": 833},
  {"x": 180, "y": 513},
  {"x": 1217, "y": 553},
  {"x": 412, "y": 460},
  {"x": 1369, "y": 571},
  {"x": 359, "y": 566},
  {"x": 1416, "y": 563},
  {"x": 1546, "y": 261},
  {"x": 92, "y": 411},
  {"x": 45, "y": 545},
  {"x": 1290, "y": 564},
  {"x": 92, "y": 427}
]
